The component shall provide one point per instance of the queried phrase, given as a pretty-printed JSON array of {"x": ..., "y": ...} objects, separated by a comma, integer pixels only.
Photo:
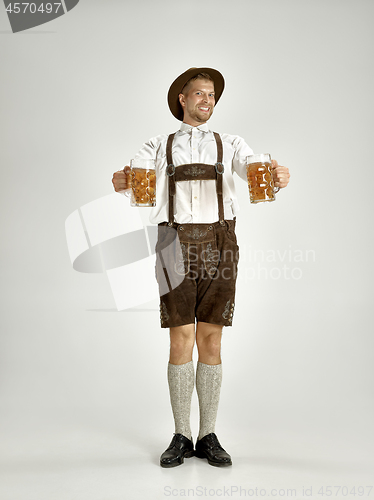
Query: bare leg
[
  {"x": 182, "y": 340},
  {"x": 208, "y": 340}
]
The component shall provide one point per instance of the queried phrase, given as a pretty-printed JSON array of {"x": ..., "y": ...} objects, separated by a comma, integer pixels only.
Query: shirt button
[{"x": 195, "y": 197}]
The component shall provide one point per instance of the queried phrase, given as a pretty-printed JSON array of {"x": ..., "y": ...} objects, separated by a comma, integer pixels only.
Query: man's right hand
[{"x": 121, "y": 179}]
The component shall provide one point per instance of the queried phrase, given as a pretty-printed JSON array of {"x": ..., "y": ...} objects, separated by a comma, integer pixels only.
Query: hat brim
[{"x": 178, "y": 84}]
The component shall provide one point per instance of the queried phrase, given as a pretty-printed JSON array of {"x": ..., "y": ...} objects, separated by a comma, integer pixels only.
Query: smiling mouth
[{"x": 205, "y": 109}]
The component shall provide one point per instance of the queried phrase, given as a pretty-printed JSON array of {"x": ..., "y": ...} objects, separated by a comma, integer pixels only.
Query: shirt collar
[{"x": 188, "y": 128}]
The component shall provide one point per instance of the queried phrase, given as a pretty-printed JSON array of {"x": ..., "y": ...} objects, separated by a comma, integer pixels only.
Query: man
[{"x": 201, "y": 211}]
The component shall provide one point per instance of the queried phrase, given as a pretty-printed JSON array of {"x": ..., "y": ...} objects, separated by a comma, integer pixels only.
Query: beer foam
[{"x": 259, "y": 158}]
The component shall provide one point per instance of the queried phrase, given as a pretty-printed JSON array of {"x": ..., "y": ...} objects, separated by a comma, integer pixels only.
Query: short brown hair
[{"x": 199, "y": 76}]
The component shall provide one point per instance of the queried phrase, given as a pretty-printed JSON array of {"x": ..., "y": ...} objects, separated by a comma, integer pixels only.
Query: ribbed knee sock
[
  {"x": 208, "y": 387},
  {"x": 181, "y": 384}
]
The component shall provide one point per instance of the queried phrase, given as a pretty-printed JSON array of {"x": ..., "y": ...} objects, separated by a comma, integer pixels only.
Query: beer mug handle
[
  {"x": 276, "y": 189},
  {"x": 127, "y": 192}
]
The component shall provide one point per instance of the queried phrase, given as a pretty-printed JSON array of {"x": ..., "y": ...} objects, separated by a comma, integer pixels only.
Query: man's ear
[{"x": 182, "y": 100}]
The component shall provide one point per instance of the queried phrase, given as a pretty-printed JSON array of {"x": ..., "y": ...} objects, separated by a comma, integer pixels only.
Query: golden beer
[
  {"x": 143, "y": 186},
  {"x": 142, "y": 180},
  {"x": 260, "y": 178}
]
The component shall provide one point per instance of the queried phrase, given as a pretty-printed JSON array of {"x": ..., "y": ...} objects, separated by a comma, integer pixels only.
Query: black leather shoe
[
  {"x": 179, "y": 449},
  {"x": 210, "y": 448}
]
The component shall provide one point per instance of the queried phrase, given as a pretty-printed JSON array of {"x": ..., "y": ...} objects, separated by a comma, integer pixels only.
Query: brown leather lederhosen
[{"x": 213, "y": 293}]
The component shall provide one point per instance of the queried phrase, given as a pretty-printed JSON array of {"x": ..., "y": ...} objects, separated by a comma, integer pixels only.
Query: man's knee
[
  {"x": 182, "y": 339},
  {"x": 208, "y": 339}
]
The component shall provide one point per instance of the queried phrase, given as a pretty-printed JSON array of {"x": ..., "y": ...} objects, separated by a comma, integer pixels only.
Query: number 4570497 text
[{"x": 22, "y": 8}]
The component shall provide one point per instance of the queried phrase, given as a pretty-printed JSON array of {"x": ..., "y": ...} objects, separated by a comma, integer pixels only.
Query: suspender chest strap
[{"x": 195, "y": 171}]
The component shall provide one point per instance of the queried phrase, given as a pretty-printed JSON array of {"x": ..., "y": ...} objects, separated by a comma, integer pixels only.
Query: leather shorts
[{"x": 196, "y": 270}]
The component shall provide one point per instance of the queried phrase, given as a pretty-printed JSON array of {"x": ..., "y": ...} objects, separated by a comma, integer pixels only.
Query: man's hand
[
  {"x": 121, "y": 179},
  {"x": 281, "y": 175}
]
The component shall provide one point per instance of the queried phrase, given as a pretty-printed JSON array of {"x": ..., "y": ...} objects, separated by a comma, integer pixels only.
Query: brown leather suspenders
[{"x": 195, "y": 171}]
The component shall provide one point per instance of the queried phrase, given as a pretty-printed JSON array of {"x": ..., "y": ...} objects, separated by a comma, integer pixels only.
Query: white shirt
[{"x": 196, "y": 201}]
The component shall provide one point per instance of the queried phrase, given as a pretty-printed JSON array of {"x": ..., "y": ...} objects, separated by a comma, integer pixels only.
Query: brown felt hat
[{"x": 178, "y": 84}]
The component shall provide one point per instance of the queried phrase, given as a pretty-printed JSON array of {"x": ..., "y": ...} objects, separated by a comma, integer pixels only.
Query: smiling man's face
[{"x": 197, "y": 102}]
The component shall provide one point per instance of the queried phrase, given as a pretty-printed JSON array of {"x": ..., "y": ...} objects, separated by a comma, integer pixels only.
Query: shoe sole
[
  {"x": 188, "y": 454},
  {"x": 210, "y": 462}
]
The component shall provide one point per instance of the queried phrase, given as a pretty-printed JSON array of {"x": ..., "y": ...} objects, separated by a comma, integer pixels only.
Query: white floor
[{"x": 102, "y": 459}]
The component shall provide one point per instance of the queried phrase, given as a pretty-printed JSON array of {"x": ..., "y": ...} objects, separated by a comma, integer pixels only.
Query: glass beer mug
[
  {"x": 142, "y": 183},
  {"x": 260, "y": 178}
]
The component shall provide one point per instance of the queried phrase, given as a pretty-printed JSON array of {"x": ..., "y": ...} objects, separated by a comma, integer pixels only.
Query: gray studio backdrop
[{"x": 79, "y": 96}]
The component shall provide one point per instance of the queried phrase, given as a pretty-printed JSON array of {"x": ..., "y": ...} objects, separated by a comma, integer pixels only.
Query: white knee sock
[
  {"x": 181, "y": 384},
  {"x": 208, "y": 386}
]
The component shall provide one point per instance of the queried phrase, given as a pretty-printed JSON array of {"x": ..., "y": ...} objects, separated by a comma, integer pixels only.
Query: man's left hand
[{"x": 281, "y": 175}]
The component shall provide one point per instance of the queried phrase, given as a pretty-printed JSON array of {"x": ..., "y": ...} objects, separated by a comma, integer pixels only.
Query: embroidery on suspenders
[{"x": 194, "y": 171}]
